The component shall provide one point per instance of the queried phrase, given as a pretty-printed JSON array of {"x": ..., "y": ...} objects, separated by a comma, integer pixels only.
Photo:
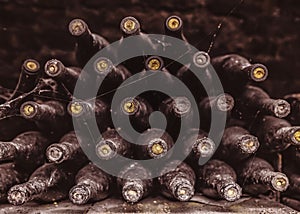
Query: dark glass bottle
[
  {"x": 92, "y": 184},
  {"x": 111, "y": 144},
  {"x": 50, "y": 182},
  {"x": 49, "y": 116},
  {"x": 87, "y": 43},
  {"x": 84, "y": 111},
  {"x": 236, "y": 71},
  {"x": 177, "y": 110},
  {"x": 218, "y": 180},
  {"x": 294, "y": 101},
  {"x": 135, "y": 182},
  {"x": 67, "y": 149},
  {"x": 26, "y": 148},
  {"x": 154, "y": 143},
  {"x": 28, "y": 78},
  {"x": 221, "y": 105},
  {"x": 254, "y": 100},
  {"x": 237, "y": 144},
  {"x": 138, "y": 110},
  {"x": 258, "y": 176},
  {"x": 275, "y": 134},
  {"x": 177, "y": 180}
]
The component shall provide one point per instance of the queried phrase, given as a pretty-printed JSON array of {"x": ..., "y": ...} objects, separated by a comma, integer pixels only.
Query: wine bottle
[
  {"x": 258, "y": 176},
  {"x": 177, "y": 181},
  {"x": 87, "y": 43},
  {"x": 218, "y": 180},
  {"x": 92, "y": 184},
  {"x": 294, "y": 101},
  {"x": 135, "y": 182}
]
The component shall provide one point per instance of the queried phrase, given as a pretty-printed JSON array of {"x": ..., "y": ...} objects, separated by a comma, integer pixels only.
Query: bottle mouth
[
  {"x": 55, "y": 153},
  {"x": 173, "y": 23},
  {"x": 280, "y": 182},
  {"x": 106, "y": 149},
  {"x": 181, "y": 106},
  {"x": 28, "y": 109},
  {"x": 225, "y": 102},
  {"x": 129, "y": 106},
  {"x": 258, "y": 73},
  {"x": 157, "y": 148},
  {"x": 79, "y": 194},
  {"x": 129, "y": 25},
  {"x": 154, "y": 63},
  {"x": 132, "y": 192},
  {"x": 53, "y": 67},
  {"x": 75, "y": 108},
  {"x": 281, "y": 108},
  {"x": 249, "y": 144},
  {"x": 184, "y": 191},
  {"x": 296, "y": 135},
  {"x": 103, "y": 66},
  {"x": 201, "y": 59},
  {"x": 17, "y": 197},
  {"x": 31, "y": 66},
  {"x": 231, "y": 192},
  {"x": 77, "y": 27},
  {"x": 205, "y": 147}
]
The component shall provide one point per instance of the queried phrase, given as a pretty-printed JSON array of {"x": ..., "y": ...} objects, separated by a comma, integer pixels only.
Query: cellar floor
[{"x": 200, "y": 204}]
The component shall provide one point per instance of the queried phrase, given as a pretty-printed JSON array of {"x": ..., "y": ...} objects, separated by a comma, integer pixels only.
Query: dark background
[{"x": 265, "y": 31}]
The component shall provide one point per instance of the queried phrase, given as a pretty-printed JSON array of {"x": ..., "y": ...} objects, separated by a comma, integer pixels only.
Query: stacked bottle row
[{"x": 42, "y": 156}]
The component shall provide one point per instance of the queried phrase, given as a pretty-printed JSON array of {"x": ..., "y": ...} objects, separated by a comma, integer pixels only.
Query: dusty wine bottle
[
  {"x": 87, "y": 43},
  {"x": 154, "y": 143},
  {"x": 177, "y": 180},
  {"x": 254, "y": 100},
  {"x": 258, "y": 176},
  {"x": 83, "y": 110},
  {"x": 67, "y": 75},
  {"x": 218, "y": 180},
  {"x": 50, "y": 182},
  {"x": 28, "y": 78},
  {"x": 294, "y": 101},
  {"x": 275, "y": 134},
  {"x": 237, "y": 144},
  {"x": 177, "y": 110},
  {"x": 236, "y": 71},
  {"x": 221, "y": 105},
  {"x": 135, "y": 182},
  {"x": 111, "y": 144},
  {"x": 67, "y": 149},
  {"x": 92, "y": 184},
  {"x": 26, "y": 148},
  {"x": 52, "y": 112}
]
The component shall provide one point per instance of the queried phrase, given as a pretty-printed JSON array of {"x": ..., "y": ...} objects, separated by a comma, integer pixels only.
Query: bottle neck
[
  {"x": 133, "y": 190},
  {"x": 181, "y": 188},
  {"x": 61, "y": 152},
  {"x": 83, "y": 192},
  {"x": 275, "y": 180},
  {"x": 278, "y": 108}
]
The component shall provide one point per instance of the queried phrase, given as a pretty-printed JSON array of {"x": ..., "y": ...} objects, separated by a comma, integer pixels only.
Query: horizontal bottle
[
  {"x": 29, "y": 75},
  {"x": 135, "y": 182},
  {"x": 50, "y": 116},
  {"x": 67, "y": 75},
  {"x": 154, "y": 143},
  {"x": 67, "y": 149},
  {"x": 177, "y": 181},
  {"x": 26, "y": 148},
  {"x": 50, "y": 182},
  {"x": 138, "y": 110},
  {"x": 275, "y": 134},
  {"x": 91, "y": 184},
  {"x": 86, "y": 110},
  {"x": 221, "y": 105},
  {"x": 236, "y": 71},
  {"x": 218, "y": 180},
  {"x": 237, "y": 144},
  {"x": 258, "y": 176},
  {"x": 87, "y": 43},
  {"x": 294, "y": 101},
  {"x": 178, "y": 112},
  {"x": 254, "y": 100},
  {"x": 112, "y": 144}
]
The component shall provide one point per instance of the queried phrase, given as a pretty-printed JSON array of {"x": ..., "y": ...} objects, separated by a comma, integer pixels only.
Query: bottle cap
[
  {"x": 154, "y": 63},
  {"x": 280, "y": 182},
  {"x": 31, "y": 66},
  {"x": 106, "y": 149},
  {"x": 181, "y": 106},
  {"x": 201, "y": 59},
  {"x": 77, "y": 27},
  {"x": 53, "y": 67},
  {"x": 129, "y": 106},
  {"x": 225, "y": 102},
  {"x": 29, "y": 109},
  {"x": 79, "y": 194},
  {"x": 249, "y": 144},
  {"x": 281, "y": 108},
  {"x": 130, "y": 25},
  {"x": 157, "y": 148},
  {"x": 258, "y": 72},
  {"x": 205, "y": 147},
  {"x": 132, "y": 191},
  {"x": 231, "y": 191},
  {"x": 173, "y": 23}
]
